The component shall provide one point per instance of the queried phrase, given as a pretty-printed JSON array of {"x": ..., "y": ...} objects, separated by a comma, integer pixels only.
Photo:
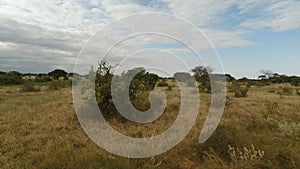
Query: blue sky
[
  {"x": 250, "y": 35},
  {"x": 275, "y": 51}
]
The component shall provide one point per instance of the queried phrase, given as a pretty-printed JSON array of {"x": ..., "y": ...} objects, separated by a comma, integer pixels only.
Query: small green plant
[
  {"x": 29, "y": 87},
  {"x": 169, "y": 88}
]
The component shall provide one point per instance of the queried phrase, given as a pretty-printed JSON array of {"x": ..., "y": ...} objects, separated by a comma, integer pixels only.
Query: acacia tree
[
  {"x": 201, "y": 73},
  {"x": 267, "y": 73},
  {"x": 57, "y": 73}
]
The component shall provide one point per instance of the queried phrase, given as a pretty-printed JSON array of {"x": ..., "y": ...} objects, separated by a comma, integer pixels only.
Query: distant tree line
[
  {"x": 17, "y": 78},
  {"x": 200, "y": 73}
]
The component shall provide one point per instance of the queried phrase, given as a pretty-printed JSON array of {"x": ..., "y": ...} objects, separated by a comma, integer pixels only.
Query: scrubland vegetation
[{"x": 260, "y": 127}]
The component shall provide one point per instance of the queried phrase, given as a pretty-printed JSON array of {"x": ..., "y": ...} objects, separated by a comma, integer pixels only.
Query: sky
[{"x": 248, "y": 35}]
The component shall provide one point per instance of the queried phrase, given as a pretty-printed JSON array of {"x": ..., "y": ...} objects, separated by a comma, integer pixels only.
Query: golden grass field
[{"x": 41, "y": 130}]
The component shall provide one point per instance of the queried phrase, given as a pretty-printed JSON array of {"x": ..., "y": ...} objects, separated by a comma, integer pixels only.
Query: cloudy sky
[{"x": 249, "y": 35}]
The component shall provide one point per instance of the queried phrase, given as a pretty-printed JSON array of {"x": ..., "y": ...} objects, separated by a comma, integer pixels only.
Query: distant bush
[
  {"x": 162, "y": 83},
  {"x": 238, "y": 90},
  {"x": 242, "y": 92},
  {"x": 29, "y": 87},
  {"x": 55, "y": 85},
  {"x": 286, "y": 90},
  {"x": 169, "y": 88},
  {"x": 57, "y": 73},
  {"x": 43, "y": 79},
  {"x": 10, "y": 79},
  {"x": 295, "y": 81}
]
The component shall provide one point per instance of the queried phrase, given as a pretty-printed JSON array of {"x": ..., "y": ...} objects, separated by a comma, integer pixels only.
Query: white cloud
[
  {"x": 276, "y": 15},
  {"x": 55, "y": 29},
  {"x": 225, "y": 39},
  {"x": 199, "y": 12}
]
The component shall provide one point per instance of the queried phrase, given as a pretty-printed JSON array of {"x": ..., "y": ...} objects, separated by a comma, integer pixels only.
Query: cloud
[
  {"x": 276, "y": 15},
  {"x": 30, "y": 58},
  {"x": 198, "y": 12},
  {"x": 53, "y": 32},
  {"x": 22, "y": 33}
]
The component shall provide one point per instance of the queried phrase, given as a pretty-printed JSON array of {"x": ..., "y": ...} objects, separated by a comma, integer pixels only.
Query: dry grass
[{"x": 40, "y": 130}]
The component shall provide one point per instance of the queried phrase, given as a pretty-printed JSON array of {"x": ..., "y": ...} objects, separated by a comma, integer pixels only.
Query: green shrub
[
  {"x": 43, "y": 79},
  {"x": 9, "y": 79},
  {"x": 139, "y": 88},
  {"x": 29, "y": 87},
  {"x": 295, "y": 81},
  {"x": 169, "y": 88}
]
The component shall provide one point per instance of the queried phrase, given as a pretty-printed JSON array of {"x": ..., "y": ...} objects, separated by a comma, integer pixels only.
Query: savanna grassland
[{"x": 40, "y": 130}]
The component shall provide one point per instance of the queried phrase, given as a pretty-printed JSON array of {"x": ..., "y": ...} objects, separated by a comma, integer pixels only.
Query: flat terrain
[{"x": 41, "y": 130}]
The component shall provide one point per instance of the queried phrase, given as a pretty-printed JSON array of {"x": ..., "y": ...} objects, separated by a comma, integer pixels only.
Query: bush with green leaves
[
  {"x": 10, "y": 79},
  {"x": 43, "y": 79},
  {"x": 295, "y": 81},
  {"x": 139, "y": 88}
]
